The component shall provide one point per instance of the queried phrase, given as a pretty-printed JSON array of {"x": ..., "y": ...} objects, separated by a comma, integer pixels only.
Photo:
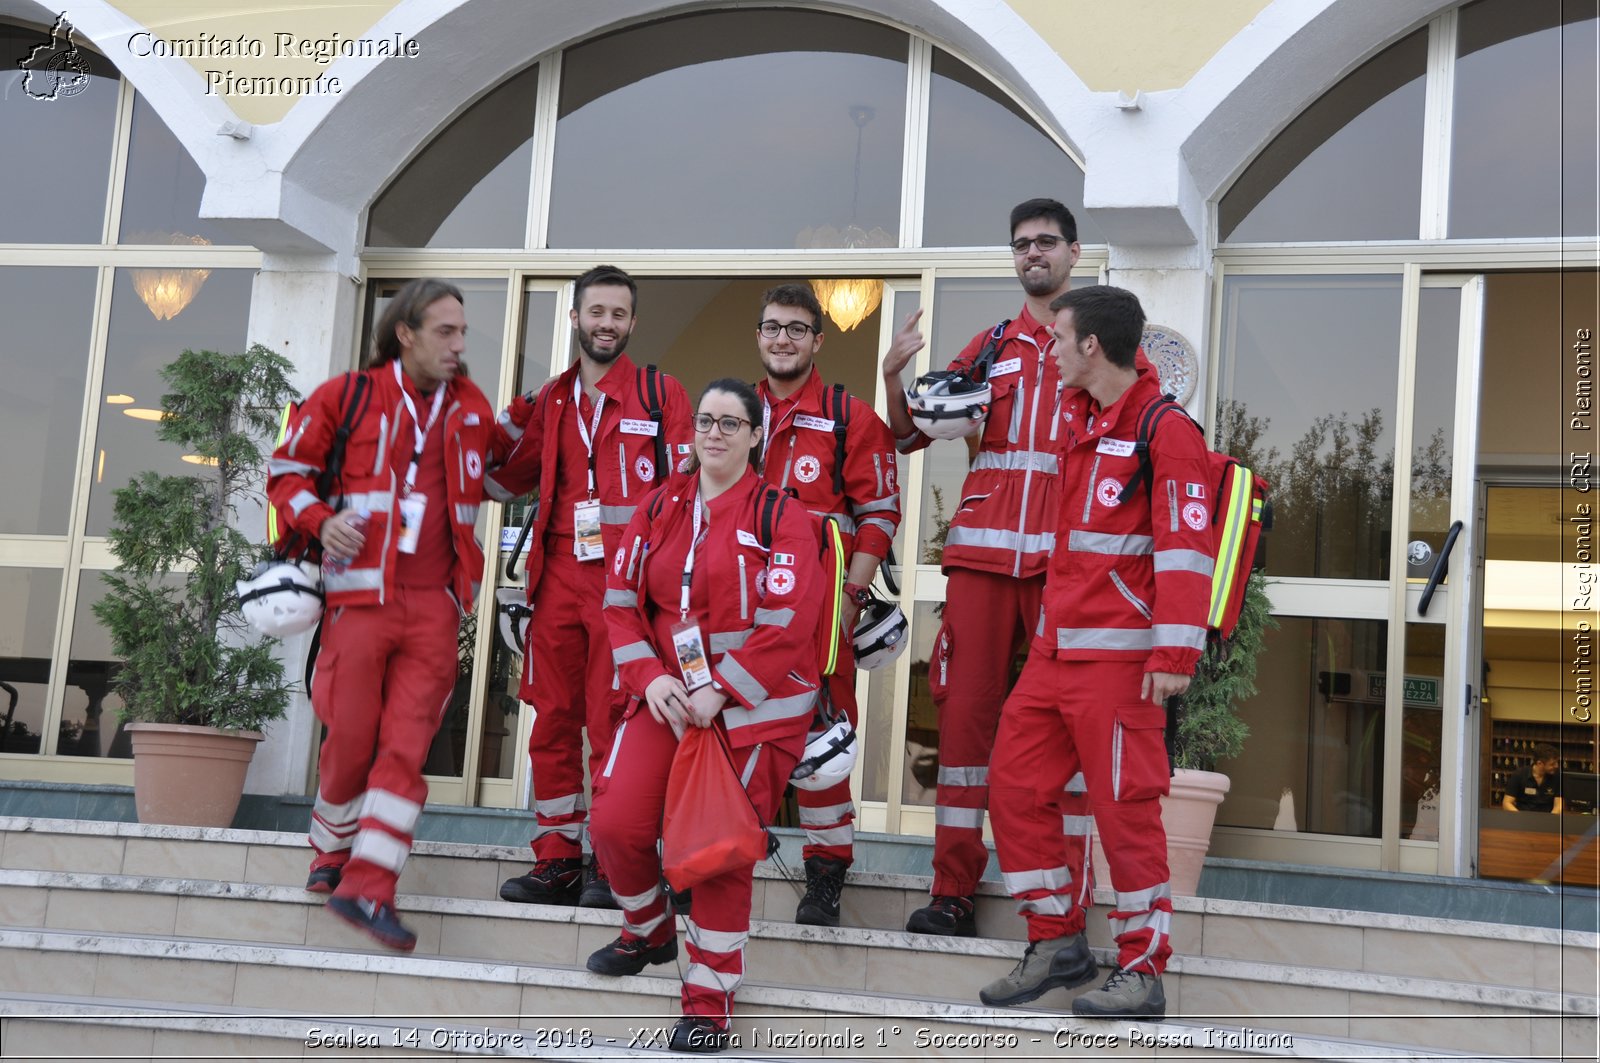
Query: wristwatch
[{"x": 857, "y": 593}]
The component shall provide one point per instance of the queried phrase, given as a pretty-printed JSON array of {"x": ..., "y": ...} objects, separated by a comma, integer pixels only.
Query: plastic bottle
[{"x": 332, "y": 567}]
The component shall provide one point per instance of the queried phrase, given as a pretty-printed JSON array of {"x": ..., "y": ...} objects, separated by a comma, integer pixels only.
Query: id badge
[
  {"x": 412, "y": 507},
  {"x": 691, "y": 653},
  {"x": 586, "y": 542}
]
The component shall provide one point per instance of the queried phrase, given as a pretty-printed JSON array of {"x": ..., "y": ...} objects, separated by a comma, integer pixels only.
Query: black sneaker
[
  {"x": 824, "y": 883},
  {"x": 550, "y": 882},
  {"x": 631, "y": 955},
  {"x": 324, "y": 879},
  {"x": 947, "y": 916},
  {"x": 696, "y": 1033},
  {"x": 376, "y": 918},
  {"x": 596, "y": 892}
]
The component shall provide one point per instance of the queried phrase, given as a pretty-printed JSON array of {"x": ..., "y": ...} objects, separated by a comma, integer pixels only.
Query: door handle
[
  {"x": 1441, "y": 567},
  {"x": 522, "y": 539}
]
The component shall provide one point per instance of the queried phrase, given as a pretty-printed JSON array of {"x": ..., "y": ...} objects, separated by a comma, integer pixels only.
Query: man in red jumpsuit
[
  {"x": 1124, "y": 625},
  {"x": 861, "y": 497},
  {"x": 402, "y": 566},
  {"x": 591, "y": 445},
  {"x": 994, "y": 561}
]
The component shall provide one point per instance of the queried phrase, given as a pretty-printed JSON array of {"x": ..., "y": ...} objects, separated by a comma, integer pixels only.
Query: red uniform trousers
[
  {"x": 1091, "y": 710},
  {"x": 384, "y": 678},
  {"x": 630, "y": 794},
  {"x": 988, "y": 618},
  {"x": 570, "y": 681},
  {"x": 829, "y": 816}
]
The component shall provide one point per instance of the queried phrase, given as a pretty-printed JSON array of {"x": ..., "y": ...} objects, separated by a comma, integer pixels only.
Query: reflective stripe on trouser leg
[
  {"x": 715, "y": 971},
  {"x": 333, "y": 828},
  {"x": 1077, "y": 829},
  {"x": 1144, "y": 917}
]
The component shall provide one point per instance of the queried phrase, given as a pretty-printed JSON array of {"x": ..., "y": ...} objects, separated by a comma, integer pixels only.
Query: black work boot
[
  {"x": 948, "y": 916},
  {"x": 824, "y": 883},
  {"x": 696, "y": 1033},
  {"x": 628, "y": 955},
  {"x": 596, "y": 892},
  {"x": 550, "y": 882}
]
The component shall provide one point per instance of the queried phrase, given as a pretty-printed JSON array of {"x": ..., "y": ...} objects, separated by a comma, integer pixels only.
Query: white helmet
[
  {"x": 880, "y": 634},
  {"x": 948, "y": 404},
  {"x": 281, "y": 598},
  {"x": 828, "y": 758}
]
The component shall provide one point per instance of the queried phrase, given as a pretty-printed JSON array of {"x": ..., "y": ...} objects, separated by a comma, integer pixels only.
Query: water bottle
[{"x": 337, "y": 567}]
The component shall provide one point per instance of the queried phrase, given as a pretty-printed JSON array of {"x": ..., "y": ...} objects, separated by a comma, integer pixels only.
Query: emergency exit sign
[{"x": 1418, "y": 689}]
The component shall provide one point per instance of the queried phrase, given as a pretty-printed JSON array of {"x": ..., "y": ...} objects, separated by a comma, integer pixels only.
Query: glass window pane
[
  {"x": 1309, "y": 366},
  {"x": 984, "y": 157},
  {"x": 920, "y": 783},
  {"x": 469, "y": 186},
  {"x": 161, "y": 197},
  {"x": 1433, "y": 423},
  {"x": 29, "y": 598},
  {"x": 731, "y": 129},
  {"x": 1348, "y": 168},
  {"x": 41, "y": 406},
  {"x": 137, "y": 346},
  {"x": 1524, "y": 141},
  {"x": 1322, "y": 763},
  {"x": 1422, "y": 733},
  {"x": 58, "y": 151},
  {"x": 90, "y": 711}
]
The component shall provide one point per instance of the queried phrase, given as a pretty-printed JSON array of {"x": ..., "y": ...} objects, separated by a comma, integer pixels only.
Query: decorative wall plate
[{"x": 1174, "y": 359}]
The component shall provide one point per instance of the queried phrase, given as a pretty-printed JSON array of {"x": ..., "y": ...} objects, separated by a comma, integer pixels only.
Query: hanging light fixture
[
  {"x": 849, "y": 300},
  {"x": 164, "y": 290}
]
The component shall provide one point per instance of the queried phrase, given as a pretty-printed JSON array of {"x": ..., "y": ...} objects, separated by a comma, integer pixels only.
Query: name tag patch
[
  {"x": 639, "y": 428},
  {"x": 821, "y": 424},
  {"x": 747, "y": 539},
  {"x": 1010, "y": 365},
  {"x": 1121, "y": 448}
]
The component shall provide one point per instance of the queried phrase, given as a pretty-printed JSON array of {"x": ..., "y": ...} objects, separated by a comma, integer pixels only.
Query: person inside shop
[
  {"x": 712, "y": 602},
  {"x": 1536, "y": 788}
]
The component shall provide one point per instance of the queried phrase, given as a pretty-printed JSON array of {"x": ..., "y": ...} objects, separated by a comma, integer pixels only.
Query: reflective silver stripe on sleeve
[
  {"x": 743, "y": 683},
  {"x": 946, "y": 816},
  {"x": 889, "y": 504},
  {"x": 1086, "y": 542},
  {"x": 774, "y": 617},
  {"x": 285, "y": 467},
  {"x": 371, "y": 501},
  {"x": 616, "y": 514},
  {"x": 492, "y": 488},
  {"x": 768, "y": 711},
  {"x": 1016, "y": 461},
  {"x": 882, "y": 525},
  {"x": 302, "y": 501},
  {"x": 723, "y": 641},
  {"x": 621, "y": 599},
  {"x": 978, "y": 776},
  {"x": 633, "y": 651},
  {"x": 1186, "y": 636},
  {"x": 1001, "y": 539},
  {"x": 510, "y": 427},
  {"x": 1104, "y": 638},
  {"x": 1184, "y": 561},
  {"x": 466, "y": 514},
  {"x": 353, "y": 579},
  {"x": 847, "y": 523}
]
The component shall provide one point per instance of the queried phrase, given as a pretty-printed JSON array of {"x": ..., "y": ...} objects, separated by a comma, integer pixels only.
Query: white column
[{"x": 1174, "y": 286}]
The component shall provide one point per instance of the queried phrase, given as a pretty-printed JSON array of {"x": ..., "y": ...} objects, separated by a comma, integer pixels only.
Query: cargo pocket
[
  {"x": 1139, "y": 753},
  {"x": 939, "y": 667}
]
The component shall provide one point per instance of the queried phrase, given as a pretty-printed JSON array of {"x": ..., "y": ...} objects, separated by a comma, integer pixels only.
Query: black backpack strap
[
  {"x": 649, "y": 385},
  {"x": 353, "y": 401},
  {"x": 1149, "y": 418},
  {"x": 841, "y": 427},
  {"x": 991, "y": 347},
  {"x": 768, "y": 508}
]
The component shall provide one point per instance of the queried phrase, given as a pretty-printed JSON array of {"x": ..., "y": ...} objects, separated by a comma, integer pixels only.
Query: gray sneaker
[
  {"x": 1126, "y": 994},
  {"x": 1056, "y": 963}
]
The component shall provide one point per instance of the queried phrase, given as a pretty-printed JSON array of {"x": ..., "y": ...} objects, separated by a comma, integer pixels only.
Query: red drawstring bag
[{"x": 708, "y": 826}]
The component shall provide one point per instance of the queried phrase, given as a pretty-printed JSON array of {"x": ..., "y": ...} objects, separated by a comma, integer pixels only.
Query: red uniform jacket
[
  {"x": 376, "y": 457},
  {"x": 527, "y": 444},
  {"x": 799, "y": 452},
  {"x": 757, "y": 609},
  {"x": 1130, "y": 579}
]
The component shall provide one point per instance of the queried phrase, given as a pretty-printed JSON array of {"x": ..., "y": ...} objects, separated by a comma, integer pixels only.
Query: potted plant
[
  {"x": 196, "y": 683},
  {"x": 1209, "y": 731}
]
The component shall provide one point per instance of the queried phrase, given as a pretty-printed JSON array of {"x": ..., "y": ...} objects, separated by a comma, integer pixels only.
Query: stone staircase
[{"x": 150, "y": 942}]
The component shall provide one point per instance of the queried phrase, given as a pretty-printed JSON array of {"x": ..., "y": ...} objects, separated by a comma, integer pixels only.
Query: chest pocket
[{"x": 1004, "y": 409}]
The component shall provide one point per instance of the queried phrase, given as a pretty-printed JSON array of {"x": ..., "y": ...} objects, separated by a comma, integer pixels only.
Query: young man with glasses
[
  {"x": 592, "y": 443},
  {"x": 994, "y": 559},
  {"x": 860, "y": 496}
]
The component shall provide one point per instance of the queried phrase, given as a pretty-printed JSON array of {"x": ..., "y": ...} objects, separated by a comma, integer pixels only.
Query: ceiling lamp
[
  {"x": 849, "y": 300},
  {"x": 166, "y": 291}
]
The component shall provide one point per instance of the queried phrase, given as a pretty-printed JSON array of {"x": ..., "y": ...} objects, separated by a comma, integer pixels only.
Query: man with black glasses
[{"x": 836, "y": 456}]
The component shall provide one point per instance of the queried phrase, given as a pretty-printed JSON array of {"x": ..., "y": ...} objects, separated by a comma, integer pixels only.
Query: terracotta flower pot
[
  {"x": 189, "y": 776},
  {"x": 1187, "y": 815}
]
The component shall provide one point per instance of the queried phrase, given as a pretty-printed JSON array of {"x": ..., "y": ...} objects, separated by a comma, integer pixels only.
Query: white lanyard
[
  {"x": 766, "y": 426},
  {"x": 688, "y": 562},
  {"x": 420, "y": 429},
  {"x": 588, "y": 434}
]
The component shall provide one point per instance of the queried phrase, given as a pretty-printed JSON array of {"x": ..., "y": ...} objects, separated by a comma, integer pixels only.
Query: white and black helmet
[
  {"x": 281, "y": 598},
  {"x": 828, "y": 758},
  {"x": 880, "y": 633},
  {"x": 948, "y": 404}
]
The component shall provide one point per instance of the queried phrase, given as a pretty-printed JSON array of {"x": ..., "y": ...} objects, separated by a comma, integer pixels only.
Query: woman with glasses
[{"x": 712, "y": 604}]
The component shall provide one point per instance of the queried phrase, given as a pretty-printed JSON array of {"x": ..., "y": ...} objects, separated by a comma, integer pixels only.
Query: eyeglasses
[
  {"x": 797, "y": 330},
  {"x": 1044, "y": 242},
  {"x": 727, "y": 425}
]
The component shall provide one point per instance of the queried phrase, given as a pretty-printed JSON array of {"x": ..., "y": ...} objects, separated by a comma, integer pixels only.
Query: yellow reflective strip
[
  {"x": 283, "y": 433},
  {"x": 836, "y": 605},
  {"x": 1233, "y": 529}
]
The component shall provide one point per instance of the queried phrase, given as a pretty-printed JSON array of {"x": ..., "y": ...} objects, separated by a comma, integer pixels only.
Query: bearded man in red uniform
[
  {"x": 402, "y": 566},
  {"x": 592, "y": 442}
]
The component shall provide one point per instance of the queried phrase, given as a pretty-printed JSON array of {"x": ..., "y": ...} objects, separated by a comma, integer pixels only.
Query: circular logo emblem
[
  {"x": 1418, "y": 552},
  {"x": 683, "y": 464},
  {"x": 645, "y": 468},
  {"x": 1109, "y": 492},
  {"x": 474, "y": 464},
  {"x": 761, "y": 583},
  {"x": 1174, "y": 359},
  {"x": 622, "y": 556},
  {"x": 888, "y": 478},
  {"x": 1194, "y": 515},
  {"x": 807, "y": 468},
  {"x": 780, "y": 580}
]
